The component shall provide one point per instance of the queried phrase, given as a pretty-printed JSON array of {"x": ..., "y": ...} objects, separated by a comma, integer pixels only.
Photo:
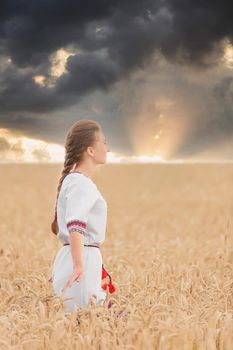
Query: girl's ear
[{"x": 90, "y": 151}]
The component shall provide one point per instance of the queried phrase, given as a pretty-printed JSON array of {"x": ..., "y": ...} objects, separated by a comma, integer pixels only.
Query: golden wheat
[{"x": 168, "y": 248}]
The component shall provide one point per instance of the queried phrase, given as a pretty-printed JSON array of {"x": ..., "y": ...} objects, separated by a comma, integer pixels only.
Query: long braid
[
  {"x": 79, "y": 137},
  {"x": 67, "y": 167}
]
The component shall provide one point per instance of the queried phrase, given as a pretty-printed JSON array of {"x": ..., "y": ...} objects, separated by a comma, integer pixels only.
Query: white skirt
[{"x": 90, "y": 283}]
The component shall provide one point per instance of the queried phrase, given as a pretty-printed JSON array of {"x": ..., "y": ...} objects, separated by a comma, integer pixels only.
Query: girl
[{"x": 80, "y": 219}]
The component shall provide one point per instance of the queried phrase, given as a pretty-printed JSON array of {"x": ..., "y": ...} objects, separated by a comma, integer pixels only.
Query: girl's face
[{"x": 100, "y": 148}]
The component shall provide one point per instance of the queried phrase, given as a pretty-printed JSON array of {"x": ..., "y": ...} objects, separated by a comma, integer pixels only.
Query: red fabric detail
[
  {"x": 76, "y": 223},
  {"x": 111, "y": 287},
  {"x": 104, "y": 273}
]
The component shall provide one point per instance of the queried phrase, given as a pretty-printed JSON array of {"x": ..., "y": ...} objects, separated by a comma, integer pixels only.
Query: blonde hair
[{"x": 80, "y": 136}]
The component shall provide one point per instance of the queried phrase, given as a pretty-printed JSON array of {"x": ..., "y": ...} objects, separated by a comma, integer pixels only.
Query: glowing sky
[{"x": 157, "y": 76}]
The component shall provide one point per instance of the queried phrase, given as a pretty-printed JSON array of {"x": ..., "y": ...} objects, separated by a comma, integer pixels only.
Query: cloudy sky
[{"x": 156, "y": 74}]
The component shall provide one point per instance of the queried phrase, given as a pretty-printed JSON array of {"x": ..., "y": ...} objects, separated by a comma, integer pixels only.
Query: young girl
[{"x": 80, "y": 219}]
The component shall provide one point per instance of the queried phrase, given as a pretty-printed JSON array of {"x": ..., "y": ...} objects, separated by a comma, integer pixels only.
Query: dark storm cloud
[
  {"x": 216, "y": 126},
  {"x": 21, "y": 122},
  {"x": 113, "y": 39}
]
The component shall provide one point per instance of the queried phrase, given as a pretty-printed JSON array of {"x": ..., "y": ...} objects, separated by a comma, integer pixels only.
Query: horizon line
[{"x": 178, "y": 161}]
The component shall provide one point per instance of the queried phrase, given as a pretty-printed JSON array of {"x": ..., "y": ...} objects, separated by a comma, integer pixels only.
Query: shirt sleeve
[{"x": 80, "y": 198}]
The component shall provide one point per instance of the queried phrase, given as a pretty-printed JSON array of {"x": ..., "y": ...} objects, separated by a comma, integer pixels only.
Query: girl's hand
[{"x": 76, "y": 276}]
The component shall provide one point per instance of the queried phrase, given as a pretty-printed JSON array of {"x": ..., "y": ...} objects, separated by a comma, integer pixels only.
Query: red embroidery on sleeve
[{"x": 77, "y": 225}]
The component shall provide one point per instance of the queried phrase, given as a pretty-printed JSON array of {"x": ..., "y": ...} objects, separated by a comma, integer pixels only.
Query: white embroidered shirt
[{"x": 81, "y": 208}]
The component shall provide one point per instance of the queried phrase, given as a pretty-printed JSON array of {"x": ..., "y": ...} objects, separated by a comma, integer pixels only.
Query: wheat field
[{"x": 168, "y": 248}]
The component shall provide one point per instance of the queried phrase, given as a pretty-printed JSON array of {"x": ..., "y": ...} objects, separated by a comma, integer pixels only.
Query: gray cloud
[
  {"x": 114, "y": 41},
  {"x": 216, "y": 125}
]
